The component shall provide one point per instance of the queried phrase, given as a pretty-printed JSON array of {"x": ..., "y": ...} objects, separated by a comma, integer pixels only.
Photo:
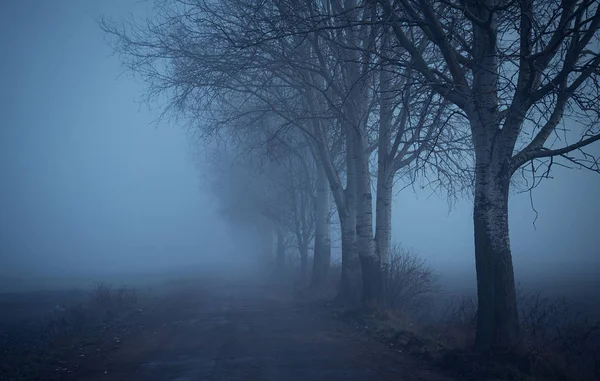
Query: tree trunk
[
  {"x": 280, "y": 249},
  {"x": 350, "y": 283},
  {"x": 385, "y": 178},
  {"x": 371, "y": 279},
  {"x": 303, "y": 262},
  {"x": 497, "y": 316},
  {"x": 267, "y": 240},
  {"x": 383, "y": 226},
  {"x": 322, "y": 252}
]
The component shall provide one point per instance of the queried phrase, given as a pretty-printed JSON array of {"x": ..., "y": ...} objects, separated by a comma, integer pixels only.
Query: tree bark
[
  {"x": 350, "y": 283},
  {"x": 351, "y": 280},
  {"x": 322, "y": 251},
  {"x": 371, "y": 280},
  {"x": 497, "y": 316},
  {"x": 383, "y": 226},
  {"x": 385, "y": 181}
]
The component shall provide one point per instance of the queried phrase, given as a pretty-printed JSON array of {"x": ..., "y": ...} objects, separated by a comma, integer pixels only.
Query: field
[
  {"x": 202, "y": 328},
  {"x": 187, "y": 330}
]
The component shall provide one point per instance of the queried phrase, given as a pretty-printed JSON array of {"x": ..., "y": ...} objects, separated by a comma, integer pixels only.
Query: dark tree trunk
[
  {"x": 372, "y": 285},
  {"x": 322, "y": 252},
  {"x": 370, "y": 265},
  {"x": 383, "y": 229},
  {"x": 497, "y": 316},
  {"x": 350, "y": 283}
]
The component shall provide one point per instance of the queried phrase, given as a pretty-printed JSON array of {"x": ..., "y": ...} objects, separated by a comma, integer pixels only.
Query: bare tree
[
  {"x": 239, "y": 51},
  {"x": 342, "y": 70},
  {"x": 260, "y": 176},
  {"x": 322, "y": 251},
  {"x": 519, "y": 71},
  {"x": 295, "y": 175},
  {"x": 418, "y": 133},
  {"x": 322, "y": 68}
]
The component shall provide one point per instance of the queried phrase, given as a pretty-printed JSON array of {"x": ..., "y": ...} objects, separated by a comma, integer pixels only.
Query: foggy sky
[{"x": 88, "y": 184}]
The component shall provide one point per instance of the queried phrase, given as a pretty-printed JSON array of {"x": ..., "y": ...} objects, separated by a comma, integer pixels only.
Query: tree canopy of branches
[{"x": 325, "y": 69}]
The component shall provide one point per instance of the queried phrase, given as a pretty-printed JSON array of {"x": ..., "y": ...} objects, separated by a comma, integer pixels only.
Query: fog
[{"x": 92, "y": 186}]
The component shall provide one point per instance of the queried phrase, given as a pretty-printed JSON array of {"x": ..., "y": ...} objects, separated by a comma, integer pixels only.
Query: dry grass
[
  {"x": 43, "y": 343},
  {"x": 557, "y": 343}
]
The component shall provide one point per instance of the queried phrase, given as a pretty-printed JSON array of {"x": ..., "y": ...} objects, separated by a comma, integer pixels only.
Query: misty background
[{"x": 92, "y": 187}]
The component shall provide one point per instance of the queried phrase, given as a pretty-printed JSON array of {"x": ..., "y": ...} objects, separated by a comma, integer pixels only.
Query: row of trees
[
  {"x": 273, "y": 186},
  {"x": 342, "y": 94}
]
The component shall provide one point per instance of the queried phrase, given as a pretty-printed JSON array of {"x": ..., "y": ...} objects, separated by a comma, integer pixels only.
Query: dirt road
[{"x": 246, "y": 332}]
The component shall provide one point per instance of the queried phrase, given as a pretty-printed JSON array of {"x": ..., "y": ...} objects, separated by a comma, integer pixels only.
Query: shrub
[
  {"x": 103, "y": 304},
  {"x": 411, "y": 282},
  {"x": 559, "y": 340},
  {"x": 456, "y": 323}
]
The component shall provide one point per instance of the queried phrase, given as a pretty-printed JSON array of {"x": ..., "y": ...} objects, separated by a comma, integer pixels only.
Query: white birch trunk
[
  {"x": 383, "y": 227},
  {"x": 364, "y": 221},
  {"x": 385, "y": 182},
  {"x": 350, "y": 285}
]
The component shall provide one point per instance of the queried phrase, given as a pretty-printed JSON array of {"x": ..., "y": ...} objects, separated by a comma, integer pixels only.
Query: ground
[{"x": 235, "y": 331}]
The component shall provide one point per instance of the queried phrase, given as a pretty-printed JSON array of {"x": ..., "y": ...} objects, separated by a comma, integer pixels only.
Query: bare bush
[
  {"x": 107, "y": 302},
  {"x": 103, "y": 305},
  {"x": 30, "y": 347},
  {"x": 411, "y": 282},
  {"x": 455, "y": 326},
  {"x": 558, "y": 339},
  {"x": 101, "y": 294},
  {"x": 125, "y": 297}
]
